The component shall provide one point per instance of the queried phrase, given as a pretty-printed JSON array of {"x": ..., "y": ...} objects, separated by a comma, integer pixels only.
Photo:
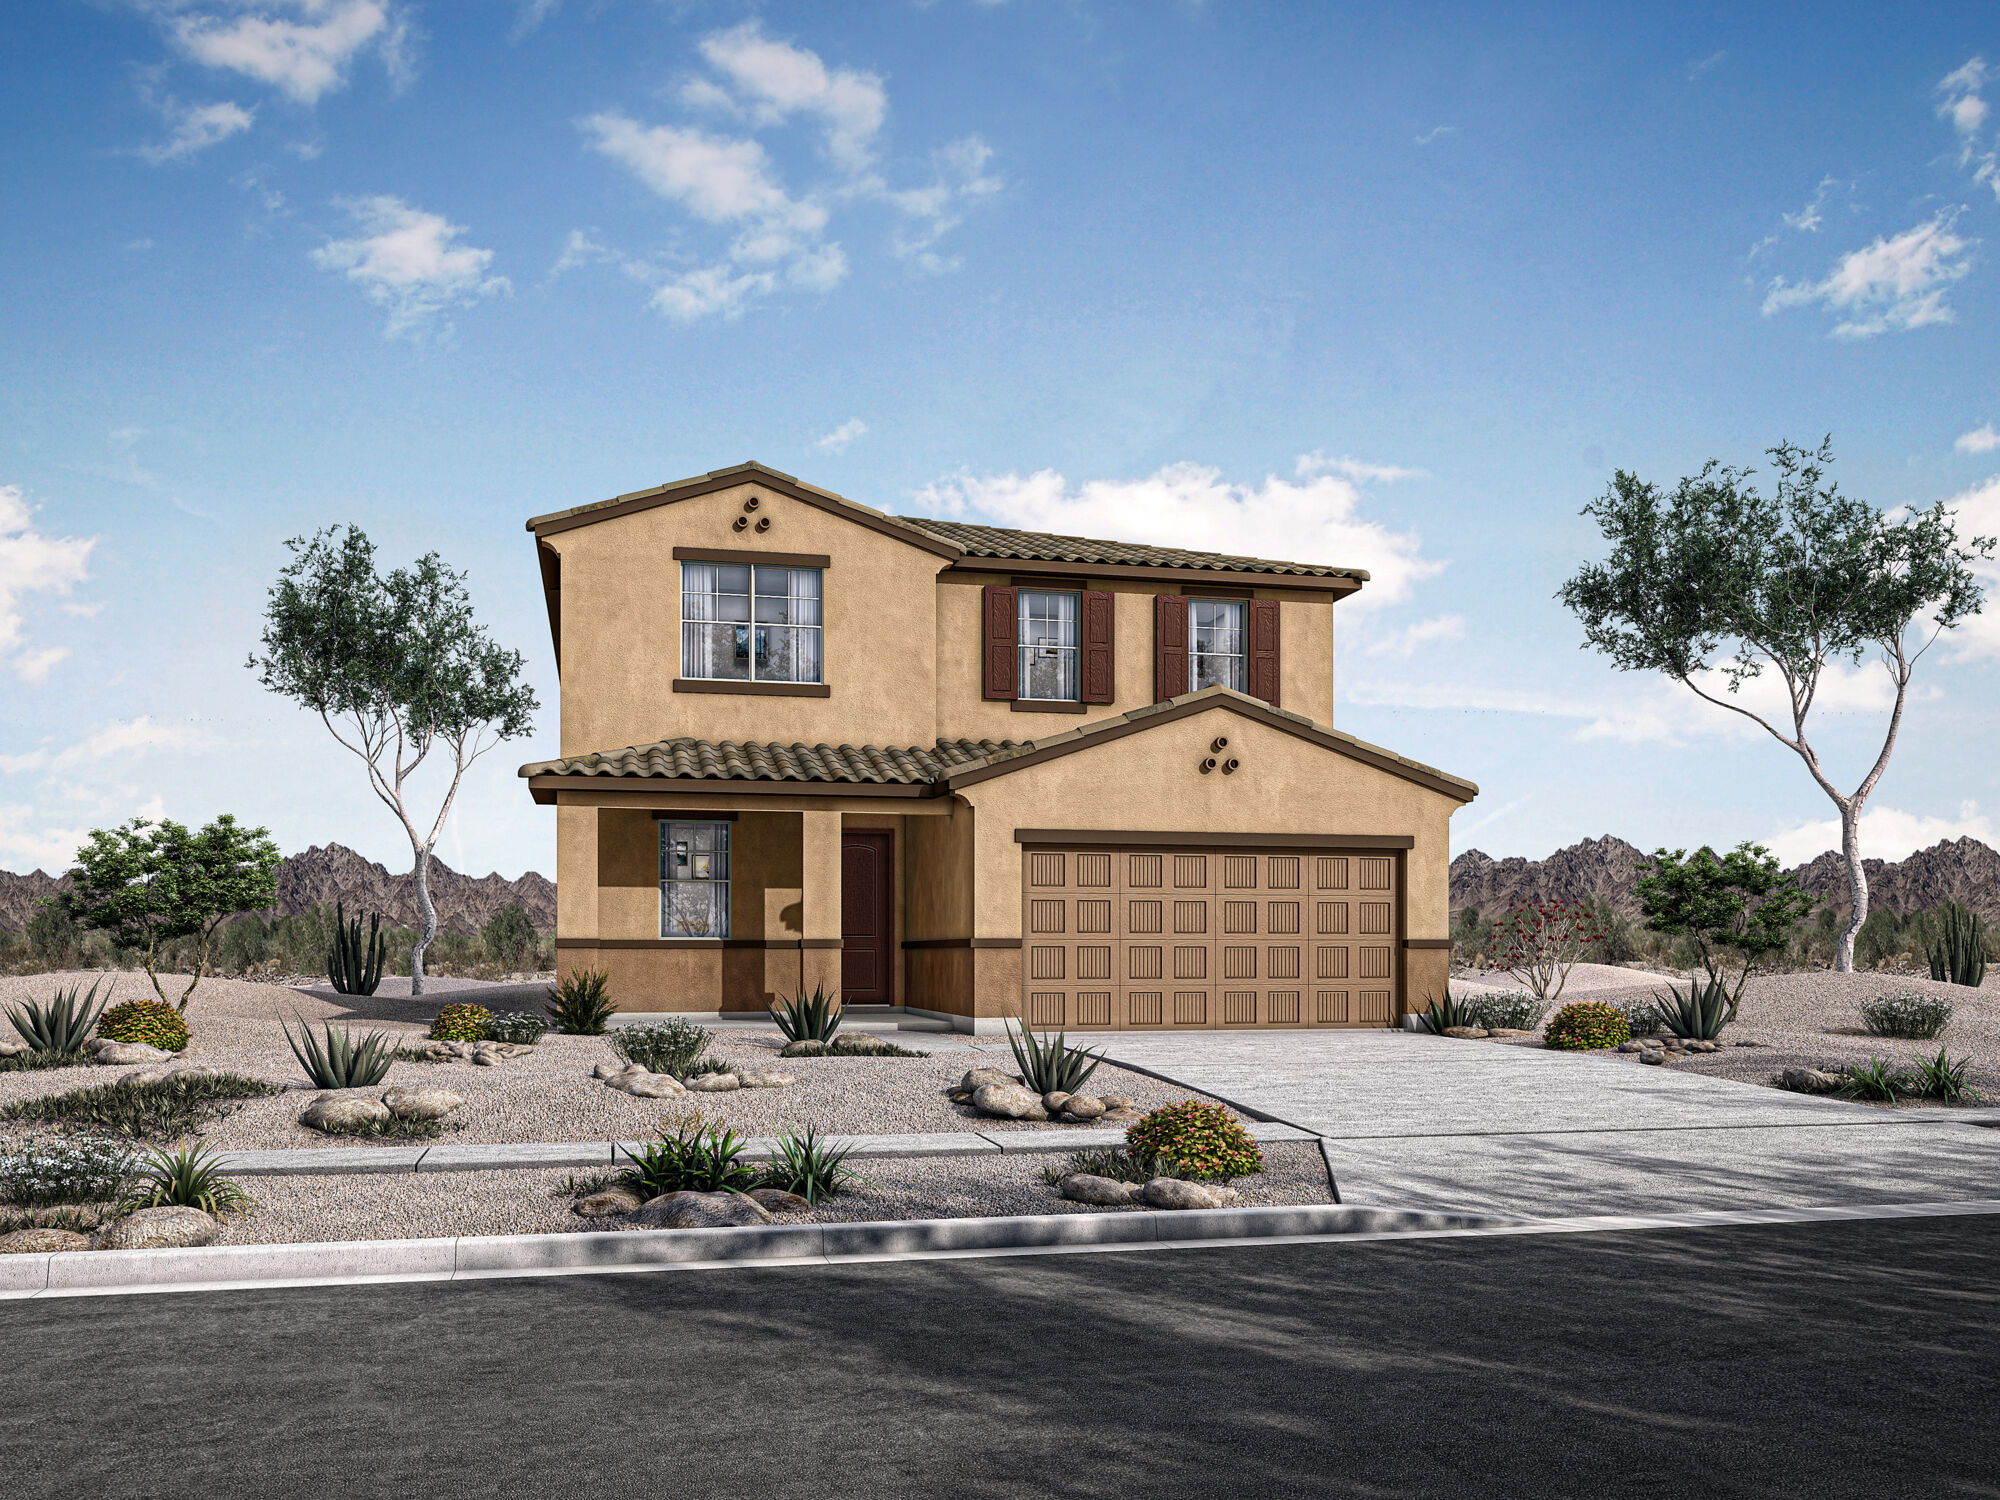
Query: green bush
[
  {"x": 580, "y": 1003},
  {"x": 1875, "y": 1080},
  {"x": 510, "y": 937},
  {"x": 154, "y": 1022},
  {"x": 53, "y": 935},
  {"x": 1204, "y": 1142},
  {"x": 1513, "y": 1010},
  {"x": 696, "y": 1158},
  {"x": 672, "y": 1047},
  {"x": 1643, "y": 1018},
  {"x": 1906, "y": 1014},
  {"x": 1942, "y": 1078},
  {"x": 1584, "y": 1025},
  {"x": 1119, "y": 1166},
  {"x": 521, "y": 1028},
  {"x": 461, "y": 1023}
]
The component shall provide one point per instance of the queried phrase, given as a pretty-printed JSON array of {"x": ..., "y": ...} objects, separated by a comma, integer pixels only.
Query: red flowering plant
[
  {"x": 1539, "y": 942},
  {"x": 1195, "y": 1141}
]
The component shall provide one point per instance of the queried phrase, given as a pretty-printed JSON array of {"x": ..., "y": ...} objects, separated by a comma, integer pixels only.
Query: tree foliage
[
  {"x": 1739, "y": 903},
  {"x": 148, "y": 883}
]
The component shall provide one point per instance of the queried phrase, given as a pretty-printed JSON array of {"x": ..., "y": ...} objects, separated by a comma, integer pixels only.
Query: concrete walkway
[{"x": 1479, "y": 1126}]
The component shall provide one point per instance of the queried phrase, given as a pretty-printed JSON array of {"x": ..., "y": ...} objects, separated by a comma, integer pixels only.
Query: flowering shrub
[
  {"x": 1586, "y": 1024},
  {"x": 461, "y": 1023},
  {"x": 1906, "y": 1013},
  {"x": 83, "y": 1171},
  {"x": 1540, "y": 941},
  {"x": 1201, "y": 1141},
  {"x": 151, "y": 1021},
  {"x": 1515, "y": 1009}
]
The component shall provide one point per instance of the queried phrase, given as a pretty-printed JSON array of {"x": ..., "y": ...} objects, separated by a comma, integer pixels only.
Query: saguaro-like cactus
[
  {"x": 1959, "y": 954},
  {"x": 355, "y": 965}
]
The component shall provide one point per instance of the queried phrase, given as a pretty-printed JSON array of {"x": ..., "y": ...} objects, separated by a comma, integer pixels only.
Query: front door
[{"x": 867, "y": 917}]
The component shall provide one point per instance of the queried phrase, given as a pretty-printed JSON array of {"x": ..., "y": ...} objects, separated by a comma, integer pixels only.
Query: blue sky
[{"x": 1398, "y": 289}]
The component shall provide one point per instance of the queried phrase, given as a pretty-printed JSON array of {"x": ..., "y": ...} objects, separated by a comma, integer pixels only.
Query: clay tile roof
[
  {"x": 1040, "y": 546},
  {"x": 733, "y": 760}
]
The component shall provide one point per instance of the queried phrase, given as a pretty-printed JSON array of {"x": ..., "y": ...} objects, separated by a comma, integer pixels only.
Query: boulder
[
  {"x": 1171, "y": 1192},
  {"x": 126, "y": 1054},
  {"x": 644, "y": 1085},
  {"x": 1808, "y": 1081},
  {"x": 1704, "y": 1046},
  {"x": 751, "y": 1079},
  {"x": 407, "y": 1103},
  {"x": 1054, "y": 1101},
  {"x": 860, "y": 1044},
  {"x": 1469, "y": 1033},
  {"x": 617, "y": 1069},
  {"x": 1008, "y": 1101},
  {"x": 1631, "y": 1046},
  {"x": 697, "y": 1211},
  {"x": 607, "y": 1204},
  {"x": 42, "y": 1241},
  {"x": 12, "y": 1046},
  {"x": 714, "y": 1083},
  {"x": 344, "y": 1112},
  {"x": 1106, "y": 1192},
  {"x": 804, "y": 1048},
  {"x": 1118, "y": 1101},
  {"x": 1084, "y": 1106},
  {"x": 158, "y": 1229},
  {"x": 778, "y": 1201},
  {"x": 1654, "y": 1056},
  {"x": 979, "y": 1077},
  {"x": 1508, "y": 1031}
]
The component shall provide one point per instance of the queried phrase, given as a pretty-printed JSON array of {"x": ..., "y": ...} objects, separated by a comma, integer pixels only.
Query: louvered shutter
[
  {"x": 1002, "y": 632},
  {"x": 1170, "y": 646},
  {"x": 1100, "y": 654},
  {"x": 1264, "y": 650}
]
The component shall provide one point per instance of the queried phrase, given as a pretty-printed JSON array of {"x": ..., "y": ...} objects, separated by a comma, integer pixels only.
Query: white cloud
[
  {"x": 1979, "y": 440},
  {"x": 1896, "y": 283},
  {"x": 1405, "y": 643},
  {"x": 775, "y": 80},
  {"x": 407, "y": 260},
  {"x": 1436, "y": 133},
  {"x": 302, "y": 48},
  {"x": 720, "y": 179},
  {"x": 530, "y": 16},
  {"x": 126, "y": 739},
  {"x": 709, "y": 291},
  {"x": 1808, "y": 219},
  {"x": 1886, "y": 833},
  {"x": 842, "y": 437},
  {"x": 1361, "y": 472},
  {"x": 31, "y": 563},
  {"x": 1190, "y": 505},
  {"x": 1977, "y": 512},
  {"x": 196, "y": 127},
  {"x": 961, "y": 178},
  {"x": 25, "y": 844},
  {"x": 1967, "y": 110}
]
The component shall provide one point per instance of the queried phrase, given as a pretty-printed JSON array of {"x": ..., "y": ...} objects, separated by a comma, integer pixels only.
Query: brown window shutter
[
  {"x": 1100, "y": 655},
  {"x": 1170, "y": 646},
  {"x": 1264, "y": 650},
  {"x": 1002, "y": 631}
]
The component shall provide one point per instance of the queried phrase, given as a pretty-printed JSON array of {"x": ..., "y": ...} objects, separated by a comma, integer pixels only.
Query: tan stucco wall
[
  {"x": 621, "y": 628},
  {"x": 938, "y": 875}
]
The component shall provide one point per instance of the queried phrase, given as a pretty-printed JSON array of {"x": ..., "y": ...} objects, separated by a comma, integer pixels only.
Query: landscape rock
[
  {"x": 644, "y": 1085},
  {"x": 125, "y": 1054},
  {"x": 1105, "y": 1192},
  {"x": 804, "y": 1048},
  {"x": 607, "y": 1204},
  {"x": 42, "y": 1241},
  {"x": 860, "y": 1044},
  {"x": 1008, "y": 1101},
  {"x": 407, "y": 1103},
  {"x": 1084, "y": 1106},
  {"x": 1171, "y": 1192},
  {"x": 686, "y": 1210},
  {"x": 1055, "y": 1101},
  {"x": 488, "y": 1059},
  {"x": 1808, "y": 1081},
  {"x": 154, "y": 1075},
  {"x": 1118, "y": 1101},
  {"x": 344, "y": 1112},
  {"x": 1469, "y": 1033},
  {"x": 615, "y": 1069},
  {"x": 1704, "y": 1047},
  {"x": 1634, "y": 1046},
  {"x": 979, "y": 1077},
  {"x": 158, "y": 1229},
  {"x": 778, "y": 1201},
  {"x": 1508, "y": 1031},
  {"x": 714, "y": 1083},
  {"x": 12, "y": 1046},
  {"x": 750, "y": 1079},
  {"x": 1653, "y": 1055}
]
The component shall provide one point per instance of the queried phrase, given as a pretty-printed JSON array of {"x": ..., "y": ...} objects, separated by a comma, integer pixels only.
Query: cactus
[
  {"x": 355, "y": 966},
  {"x": 1959, "y": 955}
]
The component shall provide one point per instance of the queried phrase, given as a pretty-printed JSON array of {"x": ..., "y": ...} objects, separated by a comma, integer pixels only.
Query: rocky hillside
[
  {"x": 337, "y": 873},
  {"x": 1609, "y": 867}
]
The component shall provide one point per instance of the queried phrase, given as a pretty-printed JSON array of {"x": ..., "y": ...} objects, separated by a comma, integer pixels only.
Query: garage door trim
[{"x": 1026, "y": 836}]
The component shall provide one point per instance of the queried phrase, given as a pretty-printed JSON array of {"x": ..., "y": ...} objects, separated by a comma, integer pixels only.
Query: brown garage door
[{"x": 1176, "y": 937}]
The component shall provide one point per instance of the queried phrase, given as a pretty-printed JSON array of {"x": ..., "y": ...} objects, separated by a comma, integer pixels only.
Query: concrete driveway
[{"x": 1432, "y": 1121}]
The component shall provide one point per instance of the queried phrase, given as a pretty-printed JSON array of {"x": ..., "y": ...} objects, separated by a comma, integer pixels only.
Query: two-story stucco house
[{"x": 976, "y": 773}]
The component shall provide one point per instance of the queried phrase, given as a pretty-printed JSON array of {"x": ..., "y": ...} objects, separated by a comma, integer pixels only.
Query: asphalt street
[{"x": 1836, "y": 1359}]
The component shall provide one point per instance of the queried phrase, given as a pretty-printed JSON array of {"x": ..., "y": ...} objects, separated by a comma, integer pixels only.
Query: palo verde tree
[
  {"x": 1739, "y": 902},
  {"x": 149, "y": 883},
  {"x": 1720, "y": 582},
  {"x": 397, "y": 668}
]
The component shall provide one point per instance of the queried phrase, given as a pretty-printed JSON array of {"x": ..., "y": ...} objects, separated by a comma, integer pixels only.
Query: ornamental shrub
[
  {"x": 1203, "y": 1142},
  {"x": 1906, "y": 1014},
  {"x": 1586, "y": 1024},
  {"x": 461, "y": 1023},
  {"x": 151, "y": 1021}
]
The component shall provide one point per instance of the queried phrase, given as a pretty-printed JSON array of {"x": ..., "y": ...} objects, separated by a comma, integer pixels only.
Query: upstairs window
[
  {"x": 1215, "y": 644},
  {"x": 1047, "y": 646},
  {"x": 750, "y": 624},
  {"x": 694, "y": 880}
]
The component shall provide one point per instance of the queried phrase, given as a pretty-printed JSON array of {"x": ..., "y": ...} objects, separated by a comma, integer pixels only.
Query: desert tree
[
  {"x": 1739, "y": 903},
  {"x": 398, "y": 669},
  {"x": 1719, "y": 582}
]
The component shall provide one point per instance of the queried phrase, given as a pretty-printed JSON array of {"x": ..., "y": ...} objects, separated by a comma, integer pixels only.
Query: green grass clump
[
  {"x": 162, "y": 1109},
  {"x": 809, "y": 1166},
  {"x": 337, "y": 1061},
  {"x": 519, "y": 1028},
  {"x": 191, "y": 1177},
  {"x": 580, "y": 1003},
  {"x": 1119, "y": 1166}
]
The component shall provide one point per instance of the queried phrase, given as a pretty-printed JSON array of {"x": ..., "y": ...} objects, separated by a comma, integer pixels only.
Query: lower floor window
[{"x": 694, "y": 880}]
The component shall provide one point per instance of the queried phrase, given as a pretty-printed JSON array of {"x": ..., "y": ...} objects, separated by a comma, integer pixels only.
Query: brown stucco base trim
[
  {"x": 1215, "y": 840},
  {"x": 1427, "y": 944},
  {"x": 671, "y": 945},
  {"x": 914, "y": 943}
]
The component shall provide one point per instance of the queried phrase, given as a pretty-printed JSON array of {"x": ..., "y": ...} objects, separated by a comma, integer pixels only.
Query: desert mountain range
[
  {"x": 1609, "y": 867},
  {"x": 337, "y": 873}
]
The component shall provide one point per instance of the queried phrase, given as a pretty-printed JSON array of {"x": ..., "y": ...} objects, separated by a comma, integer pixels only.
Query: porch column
[{"x": 819, "y": 959}]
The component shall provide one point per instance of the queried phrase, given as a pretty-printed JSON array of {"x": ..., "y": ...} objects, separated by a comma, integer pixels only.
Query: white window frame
[
  {"x": 1240, "y": 657},
  {"x": 751, "y": 630},
  {"x": 706, "y": 868},
  {"x": 1025, "y": 650}
]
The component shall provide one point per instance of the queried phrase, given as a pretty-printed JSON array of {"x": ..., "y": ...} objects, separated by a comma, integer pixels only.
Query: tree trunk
[
  {"x": 429, "y": 930},
  {"x": 1857, "y": 885}
]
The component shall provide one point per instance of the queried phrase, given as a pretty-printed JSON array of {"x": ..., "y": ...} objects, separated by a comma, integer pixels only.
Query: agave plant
[
  {"x": 354, "y": 964},
  {"x": 339, "y": 1062},
  {"x": 803, "y": 1020},
  {"x": 1049, "y": 1066},
  {"x": 580, "y": 1003},
  {"x": 1448, "y": 1012},
  {"x": 63, "y": 1025},
  {"x": 808, "y": 1164},
  {"x": 191, "y": 1177},
  {"x": 1699, "y": 1015}
]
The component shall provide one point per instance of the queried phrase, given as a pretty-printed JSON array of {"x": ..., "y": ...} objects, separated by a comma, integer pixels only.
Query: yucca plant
[
  {"x": 809, "y": 1165},
  {"x": 1959, "y": 954},
  {"x": 62, "y": 1026},
  {"x": 354, "y": 965},
  {"x": 580, "y": 1003},
  {"x": 1049, "y": 1066},
  {"x": 1450, "y": 1011},
  {"x": 339, "y": 1062},
  {"x": 1700, "y": 1014},
  {"x": 191, "y": 1177},
  {"x": 694, "y": 1158},
  {"x": 803, "y": 1020},
  {"x": 1942, "y": 1079}
]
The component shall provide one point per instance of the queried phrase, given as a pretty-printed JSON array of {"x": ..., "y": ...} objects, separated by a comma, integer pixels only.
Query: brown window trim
[
  {"x": 1048, "y": 706},
  {"x": 1050, "y": 585},
  {"x": 752, "y": 689},
  {"x": 1198, "y": 591},
  {"x": 667, "y": 815},
  {"x": 768, "y": 559},
  {"x": 1216, "y": 840},
  {"x": 1429, "y": 944}
]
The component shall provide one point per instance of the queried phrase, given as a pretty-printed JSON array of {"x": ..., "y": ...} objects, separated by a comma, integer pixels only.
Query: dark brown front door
[{"x": 867, "y": 918}]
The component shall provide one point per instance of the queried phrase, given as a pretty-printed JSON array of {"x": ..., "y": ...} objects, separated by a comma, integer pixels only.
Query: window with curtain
[
  {"x": 694, "y": 880},
  {"x": 1215, "y": 644},
  {"x": 750, "y": 624},
  {"x": 1047, "y": 645}
]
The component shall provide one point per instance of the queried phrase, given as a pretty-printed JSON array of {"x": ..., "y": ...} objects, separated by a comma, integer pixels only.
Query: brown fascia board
[
  {"x": 1187, "y": 706},
  {"x": 544, "y": 788},
  {"x": 551, "y": 561},
  {"x": 1243, "y": 581}
]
